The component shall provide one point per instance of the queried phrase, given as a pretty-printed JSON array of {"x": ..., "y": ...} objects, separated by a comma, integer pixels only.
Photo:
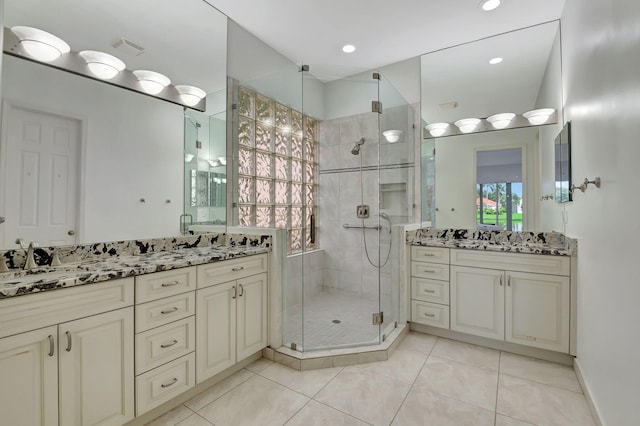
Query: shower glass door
[{"x": 341, "y": 252}]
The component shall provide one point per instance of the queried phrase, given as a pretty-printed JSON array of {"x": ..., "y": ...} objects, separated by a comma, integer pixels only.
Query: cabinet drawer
[
  {"x": 430, "y": 314},
  {"x": 430, "y": 290},
  {"x": 29, "y": 312},
  {"x": 163, "y": 344},
  {"x": 163, "y": 311},
  {"x": 167, "y": 283},
  {"x": 522, "y": 262},
  {"x": 434, "y": 271},
  {"x": 230, "y": 270},
  {"x": 430, "y": 254},
  {"x": 164, "y": 383}
]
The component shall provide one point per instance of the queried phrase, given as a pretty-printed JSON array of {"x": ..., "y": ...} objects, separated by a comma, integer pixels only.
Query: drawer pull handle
[
  {"x": 51, "y": 345},
  {"x": 169, "y": 311},
  {"x": 430, "y": 271},
  {"x": 241, "y": 290},
  {"x": 430, "y": 254},
  {"x": 429, "y": 291},
  {"x": 171, "y": 284},
  {"x": 68, "y": 341},
  {"x": 235, "y": 292},
  {"x": 168, "y": 345},
  {"x": 430, "y": 315},
  {"x": 239, "y": 268},
  {"x": 171, "y": 383}
]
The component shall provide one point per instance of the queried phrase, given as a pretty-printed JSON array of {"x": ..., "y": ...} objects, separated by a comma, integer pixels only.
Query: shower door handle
[{"x": 312, "y": 225}]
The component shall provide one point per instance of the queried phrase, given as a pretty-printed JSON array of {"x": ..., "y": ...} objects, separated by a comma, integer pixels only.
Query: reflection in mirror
[
  {"x": 563, "y": 165},
  {"x": 460, "y": 82},
  {"x": 100, "y": 150},
  {"x": 499, "y": 184}
]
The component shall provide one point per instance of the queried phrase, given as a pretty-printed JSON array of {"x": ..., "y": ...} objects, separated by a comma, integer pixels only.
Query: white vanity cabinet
[
  {"x": 165, "y": 336},
  {"x": 518, "y": 298},
  {"x": 76, "y": 365},
  {"x": 231, "y": 319},
  {"x": 430, "y": 286}
]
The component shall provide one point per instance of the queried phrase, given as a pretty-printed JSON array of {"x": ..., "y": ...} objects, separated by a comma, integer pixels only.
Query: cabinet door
[
  {"x": 537, "y": 308},
  {"x": 29, "y": 378},
  {"x": 252, "y": 315},
  {"x": 96, "y": 369},
  {"x": 215, "y": 329},
  {"x": 477, "y": 301}
]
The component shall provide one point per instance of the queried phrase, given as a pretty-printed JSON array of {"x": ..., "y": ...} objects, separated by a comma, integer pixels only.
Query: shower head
[{"x": 356, "y": 149}]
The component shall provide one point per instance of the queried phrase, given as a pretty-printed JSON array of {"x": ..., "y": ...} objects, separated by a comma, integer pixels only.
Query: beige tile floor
[{"x": 426, "y": 381}]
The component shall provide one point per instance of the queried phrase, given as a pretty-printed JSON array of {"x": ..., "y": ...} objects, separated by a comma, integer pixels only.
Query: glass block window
[{"x": 277, "y": 168}]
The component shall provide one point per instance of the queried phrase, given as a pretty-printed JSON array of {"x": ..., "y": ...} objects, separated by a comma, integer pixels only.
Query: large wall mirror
[
  {"x": 492, "y": 175},
  {"x": 83, "y": 161}
]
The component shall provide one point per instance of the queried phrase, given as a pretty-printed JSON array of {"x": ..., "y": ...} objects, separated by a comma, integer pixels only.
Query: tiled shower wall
[{"x": 345, "y": 260}]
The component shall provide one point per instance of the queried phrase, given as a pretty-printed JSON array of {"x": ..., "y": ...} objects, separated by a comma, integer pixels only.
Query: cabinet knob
[{"x": 71, "y": 232}]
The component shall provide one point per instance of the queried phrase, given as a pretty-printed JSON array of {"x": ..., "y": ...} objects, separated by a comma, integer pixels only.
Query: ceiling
[{"x": 384, "y": 31}]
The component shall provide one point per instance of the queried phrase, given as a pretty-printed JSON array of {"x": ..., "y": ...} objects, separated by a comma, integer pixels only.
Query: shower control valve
[{"x": 362, "y": 211}]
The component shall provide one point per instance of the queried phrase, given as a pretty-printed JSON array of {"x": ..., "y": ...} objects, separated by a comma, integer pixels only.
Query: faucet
[{"x": 30, "y": 263}]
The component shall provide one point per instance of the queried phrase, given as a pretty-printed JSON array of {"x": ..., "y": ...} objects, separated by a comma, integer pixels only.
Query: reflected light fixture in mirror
[
  {"x": 102, "y": 65},
  {"x": 188, "y": 158},
  {"x": 152, "y": 82},
  {"x": 437, "y": 129},
  {"x": 496, "y": 60},
  {"x": 489, "y": 5},
  {"x": 39, "y": 44},
  {"x": 467, "y": 125},
  {"x": 190, "y": 95},
  {"x": 349, "y": 48},
  {"x": 538, "y": 116},
  {"x": 501, "y": 121},
  {"x": 392, "y": 136}
]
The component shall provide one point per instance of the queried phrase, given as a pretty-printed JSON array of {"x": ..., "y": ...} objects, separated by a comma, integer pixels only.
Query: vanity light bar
[
  {"x": 505, "y": 120},
  {"x": 43, "y": 47}
]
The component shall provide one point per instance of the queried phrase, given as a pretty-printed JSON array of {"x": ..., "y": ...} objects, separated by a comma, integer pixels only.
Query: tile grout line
[
  {"x": 414, "y": 380},
  {"x": 495, "y": 407},
  {"x": 223, "y": 394},
  {"x": 541, "y": 383}
]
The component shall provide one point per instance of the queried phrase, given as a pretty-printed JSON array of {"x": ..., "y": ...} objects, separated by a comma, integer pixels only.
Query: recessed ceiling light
[
  {"x": 495, "y": 61},
  {"x": 489, "y": 5},
  {"x": 348, "y": 48}
]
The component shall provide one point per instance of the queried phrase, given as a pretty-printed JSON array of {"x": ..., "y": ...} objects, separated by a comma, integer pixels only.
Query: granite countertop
[
  {"x": 96, "y": 270},
  {"x": 545, "y": 243}
]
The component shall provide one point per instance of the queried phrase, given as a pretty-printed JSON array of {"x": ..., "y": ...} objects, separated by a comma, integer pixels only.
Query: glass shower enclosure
[{"x": 343, "y": 291}]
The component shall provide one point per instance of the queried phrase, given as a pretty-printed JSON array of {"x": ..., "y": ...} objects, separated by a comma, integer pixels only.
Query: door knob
[{"x": 71, "y": 232}]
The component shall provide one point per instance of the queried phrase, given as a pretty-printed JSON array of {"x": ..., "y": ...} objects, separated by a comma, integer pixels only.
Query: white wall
[
  {"x": 132, "y": 149},
  {"x": 602, "y": 94},
  {"x": 456, "y": 181}
]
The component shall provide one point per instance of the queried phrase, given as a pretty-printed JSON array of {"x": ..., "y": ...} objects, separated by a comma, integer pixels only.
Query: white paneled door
[{"x": 40, "y": 177}]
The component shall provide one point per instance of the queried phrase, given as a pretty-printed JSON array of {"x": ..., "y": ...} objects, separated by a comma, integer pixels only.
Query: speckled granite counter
[
  {"x": 125, "y": 259},
  {"x": 545, "y": 243}
]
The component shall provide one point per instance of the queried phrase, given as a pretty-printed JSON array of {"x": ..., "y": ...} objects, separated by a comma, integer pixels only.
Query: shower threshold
[{"x": 314, "y": 360}]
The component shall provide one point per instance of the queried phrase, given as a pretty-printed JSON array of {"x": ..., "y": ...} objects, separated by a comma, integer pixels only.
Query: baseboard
[
  {"x": 587, "y": 394},
  {"x": 544, "y": 354}
]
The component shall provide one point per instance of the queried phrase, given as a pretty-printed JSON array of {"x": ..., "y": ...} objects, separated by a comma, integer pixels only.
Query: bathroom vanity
[
  {"x": 518, "y": 288},
  {"x": 103, "y": 341}
]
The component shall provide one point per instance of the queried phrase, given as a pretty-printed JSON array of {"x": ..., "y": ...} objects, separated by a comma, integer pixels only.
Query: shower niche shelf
[{"x": 393, "y": 198}]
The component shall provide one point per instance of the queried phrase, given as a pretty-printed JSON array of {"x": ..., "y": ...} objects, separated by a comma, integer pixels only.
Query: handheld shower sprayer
[{"x": 356, "y": 149}]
